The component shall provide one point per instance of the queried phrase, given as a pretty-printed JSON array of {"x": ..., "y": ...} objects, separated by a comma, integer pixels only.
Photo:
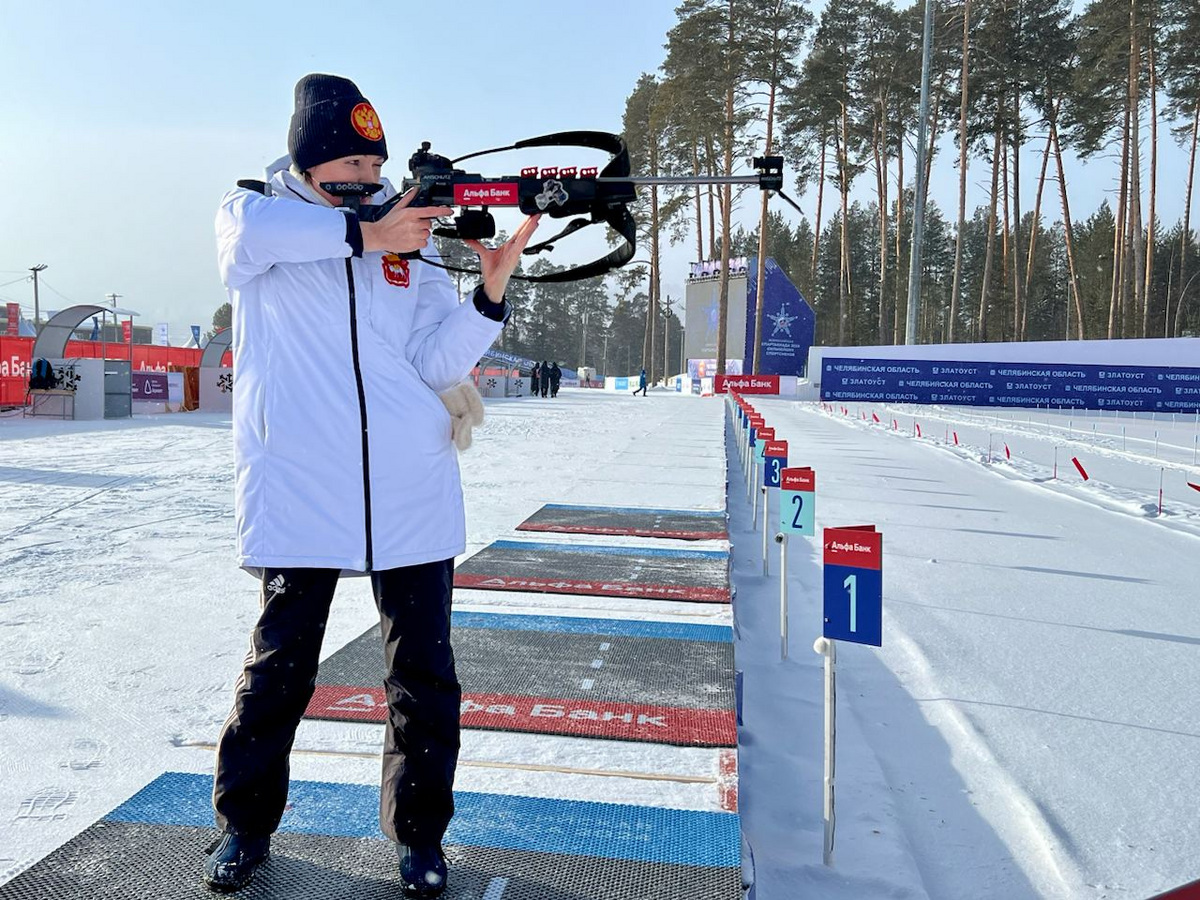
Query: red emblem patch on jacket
[{"x": 395, "y": 270}]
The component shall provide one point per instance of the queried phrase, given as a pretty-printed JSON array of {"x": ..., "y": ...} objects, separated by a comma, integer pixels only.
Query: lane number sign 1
[
  {"x": 798, "y": 501},
  {"x": 854, "y": 584}
]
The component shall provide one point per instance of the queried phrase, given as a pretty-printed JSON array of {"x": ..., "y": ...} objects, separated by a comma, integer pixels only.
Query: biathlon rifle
[{"x": 594, "y": 195}]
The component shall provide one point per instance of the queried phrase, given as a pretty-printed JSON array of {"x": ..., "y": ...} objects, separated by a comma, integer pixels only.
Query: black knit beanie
[{"x": 332, "y": 119}]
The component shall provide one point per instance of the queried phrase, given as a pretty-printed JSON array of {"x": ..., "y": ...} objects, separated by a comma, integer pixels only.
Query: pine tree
[
  {"x": 711, "y": 30},
  {"x": 772, "y": 39},
  {"x": 837, "y": 49},
  {"x": 645, "y": 132},
  {"x": 881, "y": 75},
  {"x": 1181, "y": 74}
]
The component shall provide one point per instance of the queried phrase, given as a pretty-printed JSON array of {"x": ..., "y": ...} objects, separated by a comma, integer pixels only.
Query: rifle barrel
[{"x": 684, "y": 179}]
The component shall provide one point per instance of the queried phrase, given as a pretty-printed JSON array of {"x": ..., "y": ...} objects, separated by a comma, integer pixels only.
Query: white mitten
[{"x": 466, "y": 411}]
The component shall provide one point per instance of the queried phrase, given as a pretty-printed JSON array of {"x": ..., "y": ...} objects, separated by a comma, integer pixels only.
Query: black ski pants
[{"x": 421, "y": 740}]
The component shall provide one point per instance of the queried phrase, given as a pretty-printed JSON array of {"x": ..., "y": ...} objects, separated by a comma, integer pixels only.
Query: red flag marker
[
  {"x": 1079, "y": 466},
  {"x": 895, "y": 425},
  {"x": 1007, "y": 452},
  {"x": 956, "y": 439},
  {"x": 917, "y": 425},
  {"x": 875, "y": 417},
  {"x": 1194, "y": 487}
]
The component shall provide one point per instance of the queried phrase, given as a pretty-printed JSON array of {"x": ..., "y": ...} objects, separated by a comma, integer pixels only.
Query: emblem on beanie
[
  {"x": 395, "y": 270},
  {"x": 366, "y": 122}
]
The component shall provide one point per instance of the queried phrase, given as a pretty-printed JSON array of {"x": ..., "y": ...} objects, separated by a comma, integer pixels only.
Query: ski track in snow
[{"x": 1045, "y": 629}]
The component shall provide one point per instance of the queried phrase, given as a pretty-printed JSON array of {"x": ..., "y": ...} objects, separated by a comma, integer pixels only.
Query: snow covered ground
[
  {"x": 1027, "y": 730},
  {"x": 123, "y": 621},
  {"x": 1034, "y": 706}
]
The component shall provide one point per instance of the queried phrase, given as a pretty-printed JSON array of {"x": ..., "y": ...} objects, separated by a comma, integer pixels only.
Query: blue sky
[
  {"x": 122, "y": 124},
  {"x": 132, "y": 118}
]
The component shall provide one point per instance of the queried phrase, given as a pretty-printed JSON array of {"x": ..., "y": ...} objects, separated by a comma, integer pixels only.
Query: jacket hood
[{"x": 284, "y": 183}]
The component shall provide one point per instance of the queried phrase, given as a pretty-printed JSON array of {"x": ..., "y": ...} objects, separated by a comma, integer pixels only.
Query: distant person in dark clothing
[
  {"x": 545, "y": 377},
  {"x": 555, "y": 379},
  {"x": 641, "y": 384},
  {"x": 533, "y": 380}
]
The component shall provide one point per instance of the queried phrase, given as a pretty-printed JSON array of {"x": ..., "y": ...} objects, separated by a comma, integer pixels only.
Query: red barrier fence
[{"x": 15, "y": 361}]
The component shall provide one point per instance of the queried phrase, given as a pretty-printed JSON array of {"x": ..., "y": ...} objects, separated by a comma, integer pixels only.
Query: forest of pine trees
[{"x": 1103, "y": 86}]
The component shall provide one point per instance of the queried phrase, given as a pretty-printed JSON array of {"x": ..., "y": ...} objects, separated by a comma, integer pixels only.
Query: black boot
[
  {"x": 422, "y": 870},
  {"x": 233, "y": 860}
]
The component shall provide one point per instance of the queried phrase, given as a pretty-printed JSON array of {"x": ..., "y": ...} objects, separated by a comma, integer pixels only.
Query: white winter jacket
[{"x": 343, "y": 453}]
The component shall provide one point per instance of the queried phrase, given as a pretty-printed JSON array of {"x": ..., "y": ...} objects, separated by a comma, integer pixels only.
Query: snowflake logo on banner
[
  {"x": 68, "y": 378},
  {"x": 783, "y": 322},
  {"x": 225, "y": 383},
  {"x": 491, "y": 382}
]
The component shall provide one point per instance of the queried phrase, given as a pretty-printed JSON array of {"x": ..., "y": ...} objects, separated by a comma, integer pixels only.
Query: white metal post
[
  {"x": 782, "y": 541},
  {"x": 828, "y": 648},
  {"x": 766, "y": 525},
  {"x": 754, "y": 498}
]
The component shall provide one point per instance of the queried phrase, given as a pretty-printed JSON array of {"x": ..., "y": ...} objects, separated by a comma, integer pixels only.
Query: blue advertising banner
[
  {"x": 520, "y": 362},
  {"x": 1133, "y": 388},
  {"x": 788, "y": 321}
]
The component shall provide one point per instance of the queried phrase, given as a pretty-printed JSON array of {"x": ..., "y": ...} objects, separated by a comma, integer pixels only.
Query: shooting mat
[
  {"x": 682, "y": 524},
  {"x": 329, "y": 847},
  {"x": 665, "y": 683},
  {"x": 652, "y": 574}
]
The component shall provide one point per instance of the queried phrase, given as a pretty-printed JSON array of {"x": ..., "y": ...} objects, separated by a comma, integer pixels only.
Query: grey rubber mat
[
  {"x": 687, "y": 525},
  {"x": 137, "y": 861},
  {"x": 653, "y": 574},
  {"x": 663, "y": 690},
  {"x": 649, "y": 671}
]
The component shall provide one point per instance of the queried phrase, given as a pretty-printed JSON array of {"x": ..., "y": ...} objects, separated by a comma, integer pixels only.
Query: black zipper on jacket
[{"x": 362, "y": 412}]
